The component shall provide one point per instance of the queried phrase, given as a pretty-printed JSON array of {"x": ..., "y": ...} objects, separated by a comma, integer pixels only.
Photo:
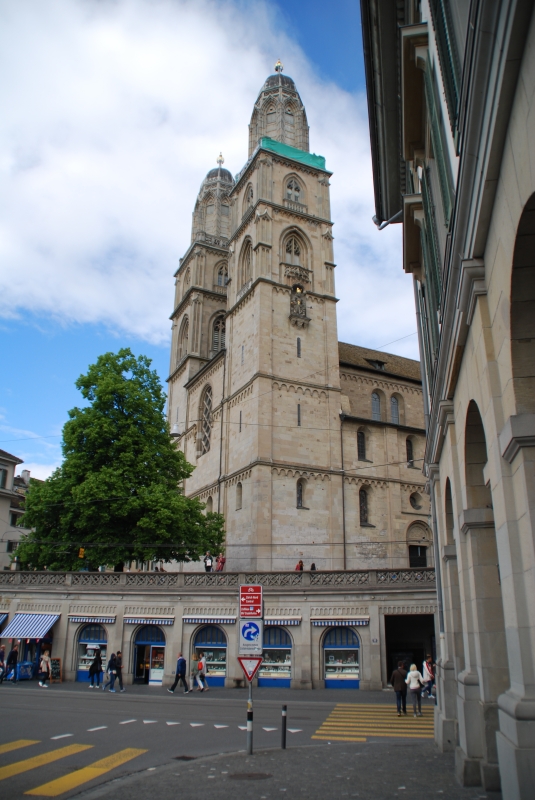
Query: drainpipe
[
  {"x": 342, "y": 418},
  {"x": 221, "y": 437}
]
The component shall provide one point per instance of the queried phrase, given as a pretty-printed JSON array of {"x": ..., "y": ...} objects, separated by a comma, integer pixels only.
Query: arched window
[
  {"x": 416, "y": 501},
  {"x": 187, "y": 278},
  {"x": 361, "y": 446},
  {"x": 209, "y": 505},
  {"x": 293, "y": 190},
  {"x": 218, "y": 334},
  {"x": 293, "y": 251},
  {"x": 222, "y": 275},
  {"x": 394, "y": 410},
  {"x": 248, "y": 198},
  {"x": 410, "y": 453},
  {"x": 246, "y": 263},
  {"x": 183, "y": 339},
  {"x": 376, "y": 406},
  {"x": 363, "y": 506},
  {"x": 239, "y": 496},
  {"x": 300, "y": 493},
  {"x": 206, "y": 419}
]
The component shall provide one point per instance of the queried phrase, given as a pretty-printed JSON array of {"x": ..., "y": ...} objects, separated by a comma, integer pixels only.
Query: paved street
[{"x": 67, "y": 740}]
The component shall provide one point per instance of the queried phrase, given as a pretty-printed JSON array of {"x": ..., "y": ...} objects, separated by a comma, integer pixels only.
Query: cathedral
[{"x": 311, "y": 448}]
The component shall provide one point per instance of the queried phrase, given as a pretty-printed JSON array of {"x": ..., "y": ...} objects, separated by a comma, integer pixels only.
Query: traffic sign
[
  {"x": 251, "y": 637},
  {"x": 250, "y": 665},
  {"x": 251, "y": 602}
]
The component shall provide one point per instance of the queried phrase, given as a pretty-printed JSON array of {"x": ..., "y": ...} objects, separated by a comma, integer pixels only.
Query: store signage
[
  {"x": 251, "y": 602},
  {"x": 250, "y": 666},
  {"x": 251, "y": 637}
]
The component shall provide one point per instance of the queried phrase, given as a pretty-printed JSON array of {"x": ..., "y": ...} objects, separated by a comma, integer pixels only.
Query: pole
[
  {"x": 283, "y": 728},
  {"x": 250, "y": 720}
]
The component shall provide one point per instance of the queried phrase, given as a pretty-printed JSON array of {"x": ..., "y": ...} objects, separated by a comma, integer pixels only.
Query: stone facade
[{"x": 467, "y": 200}]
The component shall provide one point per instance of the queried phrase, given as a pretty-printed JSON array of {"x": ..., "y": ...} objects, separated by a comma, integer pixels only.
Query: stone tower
[{"x": 279, "y": 113}]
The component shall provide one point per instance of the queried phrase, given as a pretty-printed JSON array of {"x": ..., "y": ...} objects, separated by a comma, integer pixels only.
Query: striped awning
[
  {"x": 282, "y": 621},
  {"x": 220, "y": 620},
  {"x": 149, "y": 621},
  {"x": 337, "y": 623},
  {"x": 29, "y": 626},
  {"x": 107, "y": 620},
  {"x": 3, "y": 618}
]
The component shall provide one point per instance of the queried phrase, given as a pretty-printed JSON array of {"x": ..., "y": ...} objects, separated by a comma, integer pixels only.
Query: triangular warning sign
[{"x": 250, "y": 665}]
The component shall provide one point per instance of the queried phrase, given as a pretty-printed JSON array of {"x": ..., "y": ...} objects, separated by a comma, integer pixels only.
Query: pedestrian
[
  {"x": 428, "y": 671},
  {"x": 180, "y": 674},
  {"x": 299, "y": 566},
  {"x": 203, "y": 671},
  {"x": 45, "y": 668},
  {"x": 95, "y": 669},
  {"x": 119, "y": 669},
  {"x": 400, "y": 687},
  {"x": 2, "y": 663},
  {"x": 313, "y": 568},
  {"x": 194, "y": 674},
  {"x": 415, "y": 683},
  {"x": 208, "y": 562},
  {"x": 112, "y": 672},
  {"x": 11, "y": 663},
  {"x": 220, "y": 563}
]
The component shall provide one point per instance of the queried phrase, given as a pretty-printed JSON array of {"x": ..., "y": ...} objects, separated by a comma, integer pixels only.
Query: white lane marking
[
  {"x": 172, "y": 723},
  {"x": 196, "y": 724},
  {"x": 295, "y": 730},
  {"x": 62, "y": 736},
  {"x": 149, "y": 721},
  {"x": 127, "y": 721},
  {"x": 220, "y": 726},
  {"x": 269, "y": 729},
  {"x": 242, "y": 728},
  {"x": 100, "y": 728}
]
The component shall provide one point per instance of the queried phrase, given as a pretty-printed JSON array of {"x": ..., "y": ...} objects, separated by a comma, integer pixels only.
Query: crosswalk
[
  {"x": 356, "y": 722},
  {"x": 72, "y": 780}
]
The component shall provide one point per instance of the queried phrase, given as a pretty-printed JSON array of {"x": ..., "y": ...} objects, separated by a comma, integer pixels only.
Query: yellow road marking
[
  {"x": 40, "y": 761},
  {"x": 7, "y": 748},
  {"x": 340, "y": 738},
  {"x": 95, "y": 770},
  {"x": 349, "y": 722}
]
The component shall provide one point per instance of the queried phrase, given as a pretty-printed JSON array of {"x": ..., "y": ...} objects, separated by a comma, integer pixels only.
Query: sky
[{"x": 114, "y": 110}]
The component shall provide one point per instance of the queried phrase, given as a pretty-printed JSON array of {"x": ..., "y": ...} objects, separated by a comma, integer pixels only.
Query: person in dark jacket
[
  {"x": 180, "y": 674},
  {"x": 95, "y": 669},
  {"x": 2, "y": 663},
  {"x": 400, "y": 687},
  {"x": 112, "y": 672},
  {"x": 119, "y": 665},
  {"x": 12, "y": 661}
]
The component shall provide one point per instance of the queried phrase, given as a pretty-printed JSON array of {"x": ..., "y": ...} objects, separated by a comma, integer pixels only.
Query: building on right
[{"x": 451, "y": 97}]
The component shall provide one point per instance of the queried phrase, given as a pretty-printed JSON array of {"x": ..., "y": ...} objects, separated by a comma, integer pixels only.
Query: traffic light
[{"x": 81, "y": 552}]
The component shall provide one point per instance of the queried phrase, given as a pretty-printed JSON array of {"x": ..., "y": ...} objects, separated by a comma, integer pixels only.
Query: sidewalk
[{"x": 412, "y": 770}]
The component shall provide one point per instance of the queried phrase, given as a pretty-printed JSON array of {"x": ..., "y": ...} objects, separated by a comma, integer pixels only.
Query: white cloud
[{"x": 115, "y": 112}]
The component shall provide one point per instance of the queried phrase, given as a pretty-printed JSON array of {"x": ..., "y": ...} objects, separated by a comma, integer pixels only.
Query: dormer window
[{"x": 376, "y": 364}]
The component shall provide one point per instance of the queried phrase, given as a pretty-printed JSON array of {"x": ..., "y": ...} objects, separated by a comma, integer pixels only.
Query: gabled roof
[{"x": 363, "y": 357}]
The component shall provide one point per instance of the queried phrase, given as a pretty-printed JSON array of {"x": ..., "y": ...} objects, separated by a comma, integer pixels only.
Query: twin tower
[{"x": 254, "y": 384}]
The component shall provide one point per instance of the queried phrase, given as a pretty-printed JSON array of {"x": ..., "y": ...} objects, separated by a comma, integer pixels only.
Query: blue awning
[
  {"x": 29, "y": 626},
  {"x": 3, "y": 618}
]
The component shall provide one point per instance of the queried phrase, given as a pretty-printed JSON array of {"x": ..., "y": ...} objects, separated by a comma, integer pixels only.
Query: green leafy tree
[{"x": 116, "y": 496}]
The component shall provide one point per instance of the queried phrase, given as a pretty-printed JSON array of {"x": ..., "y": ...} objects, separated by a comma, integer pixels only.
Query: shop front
[
  {"x": 32, "y": 633},
  {"x": 149, "y": 655},
  {"x": 341, "y": 648},
  {"x": 211, "y": 640},
  {"x": 92, "y": 638},
  {"x": 276, "y": 667}
]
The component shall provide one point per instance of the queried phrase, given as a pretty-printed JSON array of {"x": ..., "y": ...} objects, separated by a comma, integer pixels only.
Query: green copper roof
[{"x": 292, "y": 152}]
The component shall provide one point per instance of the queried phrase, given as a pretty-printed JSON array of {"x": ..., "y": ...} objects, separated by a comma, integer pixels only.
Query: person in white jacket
[
  {"x": 415, "y": 682},
  {"x": 428, "y": 670}
]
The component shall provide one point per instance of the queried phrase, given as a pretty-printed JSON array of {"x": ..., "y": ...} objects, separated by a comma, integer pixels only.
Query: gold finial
[
  {"x": 279, "y": 66},
  {"x": 220, "y": 159}
]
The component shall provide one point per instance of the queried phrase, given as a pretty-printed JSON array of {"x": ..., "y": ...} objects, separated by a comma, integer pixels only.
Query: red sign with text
[{"x": 250, "y": 602}]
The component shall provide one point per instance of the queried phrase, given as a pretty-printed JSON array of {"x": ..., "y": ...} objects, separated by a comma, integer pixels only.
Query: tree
[{"x": 117, "y": 496}]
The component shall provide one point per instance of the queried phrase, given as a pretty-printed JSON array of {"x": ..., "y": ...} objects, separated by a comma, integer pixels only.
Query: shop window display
[
  {"x": 212, "y": 641},
  {"x": 91, "y": 639},
  {"x": 276, "y": 668},
  {"x": 341, "y": 649}
]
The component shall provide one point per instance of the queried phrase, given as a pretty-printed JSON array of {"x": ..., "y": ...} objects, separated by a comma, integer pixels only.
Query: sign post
[
  {"x": 250, "y": 666},
  {"x": 251, "y": 643}
]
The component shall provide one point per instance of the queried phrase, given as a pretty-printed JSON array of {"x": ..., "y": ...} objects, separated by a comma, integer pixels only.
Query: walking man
[
  {"x": 180, "y": 674},
  {"x": 11, "y": 663},
  {"x": 112, "y": 672},
  {"x": 2, "y": 663},
  {"x": 400, "y": 687},
  {"x": 119, "y": 669}
]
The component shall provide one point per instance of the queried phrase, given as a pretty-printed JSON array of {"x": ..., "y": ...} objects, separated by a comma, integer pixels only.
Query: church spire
[{"x": 279, "y": 113}]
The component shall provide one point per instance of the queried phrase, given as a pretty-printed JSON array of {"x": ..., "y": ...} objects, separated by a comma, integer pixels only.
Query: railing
[
  {"x": 367, "y": 579},
  {"x": 294, "y": 206}
]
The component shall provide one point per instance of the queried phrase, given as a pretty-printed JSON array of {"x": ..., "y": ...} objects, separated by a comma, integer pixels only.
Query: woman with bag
[
  {"x": 45, "y": 668},
  {"x": 203, "y": 670},
  {"x": 95, "y": 669},
  {"x": 194, "y": 673},
  {"x": 415, "y": 683},
  {"x": 112, "y": 672}
]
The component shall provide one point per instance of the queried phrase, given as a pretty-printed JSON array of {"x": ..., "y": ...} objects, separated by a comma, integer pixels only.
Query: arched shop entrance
[
  {"x": 149, "y": 654},
  {"x": 276, "y": 669},
  {"x": 91, "y": 638},
  {"x": 341, "y": 648},
  {"x": 212, "y": 641}
]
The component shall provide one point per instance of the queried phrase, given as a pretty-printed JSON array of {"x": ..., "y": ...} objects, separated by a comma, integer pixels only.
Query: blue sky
[{"x": 117, "y": 114}]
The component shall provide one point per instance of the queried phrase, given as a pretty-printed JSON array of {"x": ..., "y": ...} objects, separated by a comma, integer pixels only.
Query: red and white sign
[
  {"x": 250, "y": 602},
  {"x": 250, "y": 665}
]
